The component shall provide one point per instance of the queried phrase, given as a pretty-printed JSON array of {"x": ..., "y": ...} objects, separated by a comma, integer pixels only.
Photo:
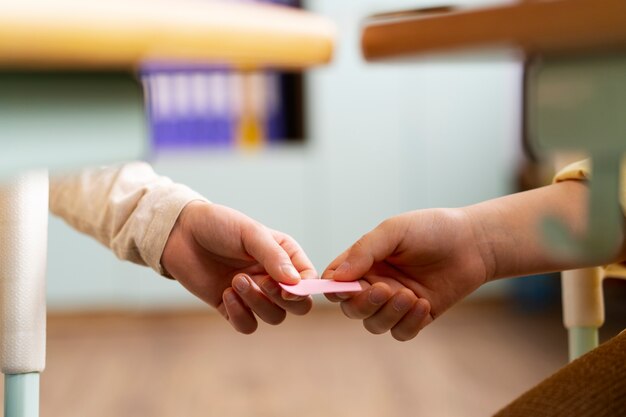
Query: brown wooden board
[{"x": 560, "y": 26}]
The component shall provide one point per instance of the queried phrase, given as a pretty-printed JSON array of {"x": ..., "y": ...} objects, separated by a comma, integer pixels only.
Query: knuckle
[
  {"x": 249, "y": 228},
  {"x": 253, "y": 230},
  {"x": 288, "y": 243},
  {"x": 385, "y": 225},
  {"x": 360, "y": 244},
  {"x": 287, "y": 238}
]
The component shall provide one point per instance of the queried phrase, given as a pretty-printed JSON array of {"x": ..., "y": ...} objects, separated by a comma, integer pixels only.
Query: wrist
[
  {"x": 177, "y": 236},
  {"x": 508, "y": 234},
  {"x": 483, "y": 242}
]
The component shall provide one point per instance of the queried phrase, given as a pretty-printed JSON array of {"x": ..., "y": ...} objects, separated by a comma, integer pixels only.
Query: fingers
[
  {"x": 343, "y": 296},
  {"x": 380, "y": 308},
  {"x": 293, "y": 304},
  {"x": 260, "y": 244},
  {"x": 391, "y": 313},
  {"x": 385, "y": 307},
  {"x": 256, "y": 301},
  {"x": 239, "y": 315},
  {"x": 415, "y": 320},
  {"x": 373, "y": 247},
  {"x": 259, "y": 295},
  {"x": 297, "y": 255},
  {"x": 304, "y": 274},
  {"x": 367, "y": 302},
  {"x": 281, "y": 256}
]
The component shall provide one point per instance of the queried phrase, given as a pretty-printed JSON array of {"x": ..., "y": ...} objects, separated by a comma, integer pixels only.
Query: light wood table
[{"x": 69, "y": 96}]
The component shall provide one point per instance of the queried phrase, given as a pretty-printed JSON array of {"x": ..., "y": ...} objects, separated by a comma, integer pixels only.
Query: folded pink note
[{"x": 320, "y": 286}]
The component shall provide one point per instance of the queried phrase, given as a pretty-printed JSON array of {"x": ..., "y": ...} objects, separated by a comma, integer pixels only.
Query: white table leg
[{"x": 23, "y": 249}]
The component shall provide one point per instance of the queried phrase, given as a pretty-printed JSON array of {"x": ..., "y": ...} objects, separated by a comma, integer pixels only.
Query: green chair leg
[
  {"x": 581, "y": 340},
  {"x": 21, "y": 395}
]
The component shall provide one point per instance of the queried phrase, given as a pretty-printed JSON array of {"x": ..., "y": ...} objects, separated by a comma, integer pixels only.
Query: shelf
[
  {"x": 538, "y": 26},
  {"x": 120, "y": 34}
]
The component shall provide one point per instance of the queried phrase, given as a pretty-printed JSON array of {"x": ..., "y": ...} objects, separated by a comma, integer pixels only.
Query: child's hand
[
  {"x": 442, "y": 255},
  {"x": 210, "y": 245},
  {"x": 432, "y": 253}
]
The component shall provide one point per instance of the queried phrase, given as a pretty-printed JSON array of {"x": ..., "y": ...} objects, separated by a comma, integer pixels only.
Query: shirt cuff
[{"x": 169, "y": 201}]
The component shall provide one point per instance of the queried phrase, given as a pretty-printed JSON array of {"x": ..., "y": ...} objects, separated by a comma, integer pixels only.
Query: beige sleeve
[
  {"x": 581, "y": 170},
  {"x": 128, "y": 208}
]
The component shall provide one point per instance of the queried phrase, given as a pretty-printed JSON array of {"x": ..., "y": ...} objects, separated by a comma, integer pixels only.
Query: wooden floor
[{"x": 471, "y": 362}]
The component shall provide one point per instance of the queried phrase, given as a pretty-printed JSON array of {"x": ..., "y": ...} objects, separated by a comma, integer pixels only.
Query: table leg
[
  {"x": 21, "y": 395},
  {"x": 581, "y": 339},
  {"x": 583, "y": 308},
  {"x": 23, "y": 249}
]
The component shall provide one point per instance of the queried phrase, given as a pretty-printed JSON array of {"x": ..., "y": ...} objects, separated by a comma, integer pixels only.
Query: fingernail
[
  {"x": 377, "y": 295},
  {"x": 342, "y": 295},
  {"x": 343, "y": 268},
  {"x": 290, "y": 297},
  {"x": 401, "y": 302},
  {"x": 290, "y": 271},
  {"x": 420, "y": 309},
  {"x": 269, "y": 286},
  {"x": 241, "y": 284}
]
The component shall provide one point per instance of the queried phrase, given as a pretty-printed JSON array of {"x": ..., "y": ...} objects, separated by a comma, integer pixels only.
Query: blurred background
[
  {"x": 361, "y": 143},
  {"x": 324, "y": 156}
]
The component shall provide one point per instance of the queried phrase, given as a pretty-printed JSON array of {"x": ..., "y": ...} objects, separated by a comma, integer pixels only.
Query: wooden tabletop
[
  {"x": 536, "y": 26},
  {"x": 119, "y": 34}
]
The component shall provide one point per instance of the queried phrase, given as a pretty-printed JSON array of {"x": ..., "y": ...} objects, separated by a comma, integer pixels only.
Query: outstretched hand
[
  {"x": 418, "y": 264},
  {"x": 234, "y": 264}
]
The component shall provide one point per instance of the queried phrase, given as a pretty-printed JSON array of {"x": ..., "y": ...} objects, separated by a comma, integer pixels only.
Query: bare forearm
[{"x": 507, "y": 229}]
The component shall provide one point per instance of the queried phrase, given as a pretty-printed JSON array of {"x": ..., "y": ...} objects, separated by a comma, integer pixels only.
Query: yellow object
[
  {"x": 580, "y": 170},
  {"x": 120, "y": 34},
  {"x": 250, "y": 134}
]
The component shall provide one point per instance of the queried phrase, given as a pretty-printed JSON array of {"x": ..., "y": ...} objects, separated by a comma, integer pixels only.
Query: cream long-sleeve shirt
[{"x": 128, "y": 208}]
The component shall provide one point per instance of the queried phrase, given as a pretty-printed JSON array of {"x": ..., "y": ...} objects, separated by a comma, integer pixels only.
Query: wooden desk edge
[
  {"x": 562, "y": 26},
  {"x": 120, "y": 34}
]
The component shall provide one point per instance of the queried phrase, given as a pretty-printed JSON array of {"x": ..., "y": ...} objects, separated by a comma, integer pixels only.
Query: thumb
[
  {"x": 372, "y": 247},
  {"x": 262, "y": 246}
]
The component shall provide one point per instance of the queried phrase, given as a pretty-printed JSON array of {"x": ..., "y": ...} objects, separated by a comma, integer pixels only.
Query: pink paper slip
[{"x": 320, "y": 286}]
